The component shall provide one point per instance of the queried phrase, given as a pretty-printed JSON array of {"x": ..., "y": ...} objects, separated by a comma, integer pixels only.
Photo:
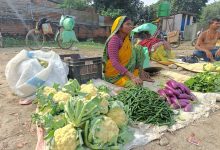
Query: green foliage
[
  {"x": 205, "y": 82},
  {"x": 209, "y": 12},
  {"x": 191, "y": 6},
  {"x": 113, "y": 13},
  {"x": 115, "y": 8},
  {"x": 75, "y": 4}
]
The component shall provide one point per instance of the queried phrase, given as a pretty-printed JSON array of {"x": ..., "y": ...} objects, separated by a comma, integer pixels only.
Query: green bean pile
[{"x": 146, "y": 106}]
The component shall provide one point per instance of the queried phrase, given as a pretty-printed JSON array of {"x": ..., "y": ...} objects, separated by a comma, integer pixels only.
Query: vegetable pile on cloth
[
  {"x": 212, "y": 67},
  {"x": 205, "y": 82},
  {"x": 144, "y": 105},
  {"x": 178, "y": 95},
  {"x": 78, "y": 117}
]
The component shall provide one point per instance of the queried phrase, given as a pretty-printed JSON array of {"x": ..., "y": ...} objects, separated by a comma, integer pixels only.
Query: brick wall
[{"x": 11, "y": 14}]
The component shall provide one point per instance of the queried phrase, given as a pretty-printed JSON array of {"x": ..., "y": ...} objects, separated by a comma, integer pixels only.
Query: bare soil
[{"x": 17, "y": 132}]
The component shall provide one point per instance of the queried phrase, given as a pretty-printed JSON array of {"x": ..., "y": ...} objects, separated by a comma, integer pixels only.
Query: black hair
[
  {"x": 213, "y": 20},
  {"x": 126, "y": 19},
  {"x": 144, "y": 34}
]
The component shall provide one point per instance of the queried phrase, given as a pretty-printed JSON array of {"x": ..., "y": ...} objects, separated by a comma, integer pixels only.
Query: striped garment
[{"x": 114, "y": 45}]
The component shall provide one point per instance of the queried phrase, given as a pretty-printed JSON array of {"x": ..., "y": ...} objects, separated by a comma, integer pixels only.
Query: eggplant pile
[{"x": 178, "y": 95}]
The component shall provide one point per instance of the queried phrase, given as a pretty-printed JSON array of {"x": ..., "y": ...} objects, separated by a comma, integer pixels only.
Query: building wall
[
  {"x": 19, "y": 16},
  {"x": 175, "y": 22}
]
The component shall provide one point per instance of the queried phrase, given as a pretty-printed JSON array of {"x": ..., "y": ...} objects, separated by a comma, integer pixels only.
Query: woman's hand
[
  {"x": 135, "y": 80},
  {"x": 146, "y": 77}
]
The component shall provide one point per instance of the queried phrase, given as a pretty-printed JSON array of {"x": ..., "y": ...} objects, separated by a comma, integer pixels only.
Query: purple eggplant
[
  {"x": 184, "y": 102},
  {"x": 193, "y": 97},
  {"x": 174, "y": 100},
  {"x": 179, "y": 90},
  {"x": 168, "y": 92},
  {"x": 184, "y": 96},
  {"x": 172, "y": 83},
  {"x": 175, "y": 106},
  {"x": 184, "y": 88},
  {"x": 168, "y": 101},
  {"x": 175, "y": 92},
  {"x": 161, "y": 93},
  {"x": 188, "y": 108}
]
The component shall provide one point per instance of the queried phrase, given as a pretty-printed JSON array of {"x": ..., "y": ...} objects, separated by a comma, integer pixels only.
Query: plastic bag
[
  {"x": 68, "y": 36},
  {"x": 151, "y": 28},
  {"x": 67, "y": 22},
  {"x": 29, "y": 70},
  {"x": 146, "y": 63}
]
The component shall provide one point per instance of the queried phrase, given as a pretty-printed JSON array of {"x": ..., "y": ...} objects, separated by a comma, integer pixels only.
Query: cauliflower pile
[
  {"x": 72, "y": 110},
  {"x": 66, "y": 138},
  {"x": 117, "y": 113},
  {"x": 49, "y": 90},
  {"x": 61, "y": 97}
]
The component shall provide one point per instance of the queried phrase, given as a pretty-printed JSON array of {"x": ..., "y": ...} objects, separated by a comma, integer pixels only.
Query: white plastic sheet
[{"x": 25, "y": 74}]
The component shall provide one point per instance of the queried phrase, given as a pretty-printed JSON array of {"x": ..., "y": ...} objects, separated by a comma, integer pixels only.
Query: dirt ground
[{"x": 16, "y": 131}]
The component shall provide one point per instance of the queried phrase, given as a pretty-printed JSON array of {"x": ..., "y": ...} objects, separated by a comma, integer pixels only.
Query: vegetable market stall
[{"x": 142, "y": 133}]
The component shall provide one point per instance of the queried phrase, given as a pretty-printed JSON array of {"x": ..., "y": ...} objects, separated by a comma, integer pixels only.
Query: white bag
[{"x": 25, "y": 74}]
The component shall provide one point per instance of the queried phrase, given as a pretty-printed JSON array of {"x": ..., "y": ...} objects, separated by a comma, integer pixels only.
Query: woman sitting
[
  {"x": 159, "y": 50},
  {"x": 123, "y": 63}
]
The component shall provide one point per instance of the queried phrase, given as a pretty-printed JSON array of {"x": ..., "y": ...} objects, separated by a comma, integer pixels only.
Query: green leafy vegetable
[{"x": 204, "y": 82}]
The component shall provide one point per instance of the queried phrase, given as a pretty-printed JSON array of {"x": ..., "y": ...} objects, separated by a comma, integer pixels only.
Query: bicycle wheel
[
  {"x": 61, "y": 43},
  {"x": 35, "y": 39},
  {"x": 193, "y": 43}
]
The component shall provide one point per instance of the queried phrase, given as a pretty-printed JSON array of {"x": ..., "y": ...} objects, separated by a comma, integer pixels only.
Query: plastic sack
[
  {"x": 67, "y": 22},
  {"x": 146, "y": 63},
  {"x": 68, "y": 36},
  {"x": 151, "y": 28},
  {"x": 29, "y": 70}
]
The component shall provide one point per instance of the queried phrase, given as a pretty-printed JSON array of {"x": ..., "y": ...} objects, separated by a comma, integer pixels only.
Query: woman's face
[{"x": 127, "y": 27}]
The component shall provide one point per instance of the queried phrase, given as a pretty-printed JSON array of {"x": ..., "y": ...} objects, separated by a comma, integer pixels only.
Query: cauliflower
[
  {"x": 117, "y": 113},
  {"x": 66, "y": 138},
  {"x": 90, "y": 90},
  {"x": 48, "y": 90},
  {"x": 104, "y": 95},
  {"x": 104, "y": 103},
  {"x": 104, "y": 106},
  {"x": 61, "y": 97},
  {"x": 102, "y": 131}
]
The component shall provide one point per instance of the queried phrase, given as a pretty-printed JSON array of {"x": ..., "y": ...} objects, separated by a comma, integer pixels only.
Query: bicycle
[
  {"x": 36, "y": 38},
  {"x": 193, "y": 42},
  {"x": 163, "y": 36}
]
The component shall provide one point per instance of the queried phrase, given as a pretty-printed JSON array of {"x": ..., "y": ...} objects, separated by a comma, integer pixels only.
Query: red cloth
[{"x": 149, "y": 42}]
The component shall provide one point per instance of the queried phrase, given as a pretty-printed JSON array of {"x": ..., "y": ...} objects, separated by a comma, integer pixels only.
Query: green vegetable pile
[
  {"x": 212, "y": 67},
  {"x": 79, "y": 117},
  {"x": 144, "y": 105},
  {"x": 204, "y": 82}
]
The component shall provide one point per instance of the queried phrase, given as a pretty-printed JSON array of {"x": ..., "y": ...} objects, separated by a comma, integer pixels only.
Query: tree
[
  {"x": 209, "y": 12},
  {"x": 192, "y": 6},
  {"x": 75, "y": 4},
  {"x": 114, "y": 8}
]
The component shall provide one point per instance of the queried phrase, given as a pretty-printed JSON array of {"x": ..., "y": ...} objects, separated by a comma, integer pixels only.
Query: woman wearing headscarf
[{"x": 122, "y": 62}]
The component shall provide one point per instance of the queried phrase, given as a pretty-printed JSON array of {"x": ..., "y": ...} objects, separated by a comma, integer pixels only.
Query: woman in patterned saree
[{"x": 123, "y": 63}]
